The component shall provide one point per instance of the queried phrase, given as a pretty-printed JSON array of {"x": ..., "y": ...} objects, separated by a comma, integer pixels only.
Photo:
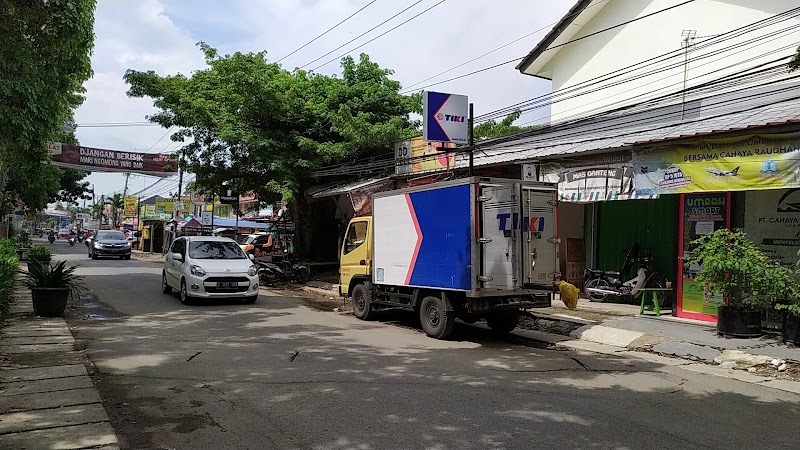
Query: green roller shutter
[{"x": 651, "y": 223}]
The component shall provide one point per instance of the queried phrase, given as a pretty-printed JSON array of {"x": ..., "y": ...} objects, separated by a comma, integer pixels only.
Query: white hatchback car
[{"x": 209, "y": 267}]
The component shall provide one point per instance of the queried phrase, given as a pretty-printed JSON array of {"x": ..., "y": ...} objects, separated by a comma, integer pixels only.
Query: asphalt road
[{"x": 279, "y": 374}]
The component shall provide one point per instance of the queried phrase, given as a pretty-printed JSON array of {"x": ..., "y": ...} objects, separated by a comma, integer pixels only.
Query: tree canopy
[
  {"x": 492, "y": 129},
  {"x": 44, "y": 61},
  {"x": 249, "y": 125}
]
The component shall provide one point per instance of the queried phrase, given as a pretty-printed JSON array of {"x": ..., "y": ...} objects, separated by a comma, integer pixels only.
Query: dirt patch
[
  {"x": 561, "y": 327},
  {"x": 792, "y": 371},
  {"x": 313, "y": 299}
]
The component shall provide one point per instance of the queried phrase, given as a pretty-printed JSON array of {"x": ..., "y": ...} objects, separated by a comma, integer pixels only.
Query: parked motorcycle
[
  {"x": 599, "y": 284},
  {"x": 288, "y": 270},
  {"x": 72, "y": 240}
]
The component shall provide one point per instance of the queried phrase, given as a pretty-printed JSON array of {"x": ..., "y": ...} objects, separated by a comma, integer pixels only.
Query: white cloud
[{"x": 161, "y": 36}]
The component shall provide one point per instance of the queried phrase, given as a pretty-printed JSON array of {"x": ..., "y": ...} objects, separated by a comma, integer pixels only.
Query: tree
[
  {"x": 491, "y": 129},
  {"x": 250, "y": 125},
  {"x": 44, "y": 61},
  {"x": 117, "y": 205},
  {"x": 794, "y": 64}
]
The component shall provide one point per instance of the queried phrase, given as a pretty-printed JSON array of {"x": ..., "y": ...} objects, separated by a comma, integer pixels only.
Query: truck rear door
[
  {"x": 498, "y": 236},
  {"x": 539, "y": 238}
]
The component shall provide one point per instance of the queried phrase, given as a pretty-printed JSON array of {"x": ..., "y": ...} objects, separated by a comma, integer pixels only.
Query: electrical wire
[
  {"x": 326, "y": 31},
  {"x": 376, "y": 37},
  {"x": 360, "y": 35}
]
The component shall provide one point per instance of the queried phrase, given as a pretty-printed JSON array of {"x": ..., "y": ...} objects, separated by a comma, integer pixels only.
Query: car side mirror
[
  {"x": 251, "y": 256},
  {"x": 177, "y": 257}
]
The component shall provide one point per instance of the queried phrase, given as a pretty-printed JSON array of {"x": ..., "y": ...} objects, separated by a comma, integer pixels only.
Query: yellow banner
[
  {"x": 164, "y": 205},
  {"x": 735, "y": 164},
  {"x": 416, "y": 155},
  {"x": 130, "y": 207}
]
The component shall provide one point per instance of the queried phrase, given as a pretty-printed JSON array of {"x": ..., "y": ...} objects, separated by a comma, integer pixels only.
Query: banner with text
[
  {"x": 735, "y": 164},
  {"x": 98, "y": 159},
  {"x": 415, "y": 155},
  {"x": 129, "y": 209}
]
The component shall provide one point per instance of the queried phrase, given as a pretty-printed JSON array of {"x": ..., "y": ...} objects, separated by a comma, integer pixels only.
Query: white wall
[{"x": 598, "y": 55}]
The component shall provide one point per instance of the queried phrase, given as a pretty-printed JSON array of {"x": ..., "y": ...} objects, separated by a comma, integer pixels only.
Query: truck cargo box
[{"x": 483, "y": 236}]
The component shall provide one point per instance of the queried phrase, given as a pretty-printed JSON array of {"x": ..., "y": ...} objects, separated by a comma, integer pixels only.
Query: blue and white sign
[{"x": 444, "y": 117}]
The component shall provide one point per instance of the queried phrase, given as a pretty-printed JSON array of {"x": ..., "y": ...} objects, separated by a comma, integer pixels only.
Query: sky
[{"x": 161, "y": 35}]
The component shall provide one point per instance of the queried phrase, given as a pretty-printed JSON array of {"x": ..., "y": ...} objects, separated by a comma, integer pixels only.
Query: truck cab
[{"x": 355, "y": 262}]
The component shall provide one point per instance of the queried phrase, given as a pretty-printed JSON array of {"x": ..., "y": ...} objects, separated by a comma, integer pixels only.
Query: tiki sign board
[{"x": 104, "y": 160}]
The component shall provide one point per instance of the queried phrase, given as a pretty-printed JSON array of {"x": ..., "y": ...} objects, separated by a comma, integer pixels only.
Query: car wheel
[
  {"x": 93, "y": 255},
  {"x": 250, "y": 300},
  {"x": 436, "y": 320},
  {"x": 128, "y": 257},
  {"x": 362, "y": 302},
  {"x": 185, "y": 299},
  {"x": 165, "y": 287}
]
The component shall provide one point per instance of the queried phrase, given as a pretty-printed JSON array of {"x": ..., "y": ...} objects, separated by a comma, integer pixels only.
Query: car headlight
[
  {"x": 96, "y": 244},
  {"x": 197, "y": 271},
  {"x": 252, "y": 271}
]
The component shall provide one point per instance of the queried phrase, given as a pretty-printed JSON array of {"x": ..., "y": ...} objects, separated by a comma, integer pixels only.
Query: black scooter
[
  {"x": 599, "y": 284},
  {"x": 288, "y": 270},
  {"x": 51, "y": 238}
]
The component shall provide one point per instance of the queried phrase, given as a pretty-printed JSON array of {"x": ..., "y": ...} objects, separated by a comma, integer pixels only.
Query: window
[
  {"x": 265, "y": 239},
  {"x": 110, "y": 235},
  {"x": 178, "y": 246},
  {"x": 215, "y": 250},
  {"x": 356, "y": 235}
]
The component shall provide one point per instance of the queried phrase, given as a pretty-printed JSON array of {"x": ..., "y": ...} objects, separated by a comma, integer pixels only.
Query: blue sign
[{"x": 445, "y": 117}]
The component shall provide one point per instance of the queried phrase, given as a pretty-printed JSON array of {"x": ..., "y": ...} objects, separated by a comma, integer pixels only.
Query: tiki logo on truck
[{"x": 509, "y": 221}]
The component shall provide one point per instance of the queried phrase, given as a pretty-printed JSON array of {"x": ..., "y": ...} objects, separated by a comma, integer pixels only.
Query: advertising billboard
[
  {"x": 103, "y": 160},
  {"x": 416, "y": 155},
  {"x": 129, "y": 209},
  {"x": 444, "y": 117}
]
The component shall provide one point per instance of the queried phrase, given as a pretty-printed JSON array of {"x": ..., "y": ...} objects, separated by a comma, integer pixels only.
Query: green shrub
[{"x": 39, "y": 253}]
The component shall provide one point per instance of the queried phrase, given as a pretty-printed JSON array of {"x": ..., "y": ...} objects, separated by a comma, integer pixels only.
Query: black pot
[
  {"x": 791, "y": 328},
  {"x": 50, "y": 302},
  {"x": 733, "y": 322}
]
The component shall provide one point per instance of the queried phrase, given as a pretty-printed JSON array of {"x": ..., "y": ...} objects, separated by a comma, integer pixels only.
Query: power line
[
  {"x": 362, "y": 34},
  {"x": 326, "y": 31},
  {"x": 378, "y": 36},
  {"x": 499, "y": 48},
  {"x": 159, "y": 139},
  {"x": 561, "y": 45}
]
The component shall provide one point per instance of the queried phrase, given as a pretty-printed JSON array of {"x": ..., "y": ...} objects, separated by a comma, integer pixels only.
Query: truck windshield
[{"x": 356, "y": 235}]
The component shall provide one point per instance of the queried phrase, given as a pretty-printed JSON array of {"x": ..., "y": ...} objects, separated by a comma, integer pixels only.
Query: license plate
[{"x": 227, "y": 285}]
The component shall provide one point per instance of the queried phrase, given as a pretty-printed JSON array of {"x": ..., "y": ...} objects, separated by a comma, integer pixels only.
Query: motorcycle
[
  {"x": 288, "y": 270},
  {"x": 599, "y": 284},
  {"x": 72, "y": 240},
  {"x": 51, "y": 238}
]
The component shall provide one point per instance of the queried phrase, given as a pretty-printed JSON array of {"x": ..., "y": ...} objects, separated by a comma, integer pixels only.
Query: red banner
[{"x": 98, "y": 159}]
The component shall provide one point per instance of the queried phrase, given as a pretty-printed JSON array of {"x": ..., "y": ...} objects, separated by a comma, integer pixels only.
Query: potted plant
[
  {"x": 749, "y": 281},
  {"x": 51, "y": 286},
  {"x": 790, "y": 306},
  {"x": 38, "y": 254}
]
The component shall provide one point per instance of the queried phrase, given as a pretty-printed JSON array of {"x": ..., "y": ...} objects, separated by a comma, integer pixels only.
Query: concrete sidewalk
[{"x": 47, "y": 399}]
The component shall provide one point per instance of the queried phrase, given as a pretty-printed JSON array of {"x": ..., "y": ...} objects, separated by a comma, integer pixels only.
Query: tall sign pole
[{"x": 471, "y": 137}]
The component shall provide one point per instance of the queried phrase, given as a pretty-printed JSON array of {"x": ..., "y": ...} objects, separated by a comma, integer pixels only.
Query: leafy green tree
[
  {"x": 250, "y": 125},
  {"x": 44, "y": 61},
  {"x": 794, "y": 64},
  {"x": 492, "y": 129}
]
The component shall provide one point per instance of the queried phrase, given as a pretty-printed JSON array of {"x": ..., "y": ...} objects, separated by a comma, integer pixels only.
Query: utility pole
[
  {"x": 125, "y": 191},
  {"x": 471, "y": 139},
  {"x": 686, "y": 43}
]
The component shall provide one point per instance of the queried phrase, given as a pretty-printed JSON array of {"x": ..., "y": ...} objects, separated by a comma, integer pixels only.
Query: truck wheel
[
  {"x": 503, "y": 322},
  {"x": 436, "y": 320},
  {"x": 362, "y": 302}
]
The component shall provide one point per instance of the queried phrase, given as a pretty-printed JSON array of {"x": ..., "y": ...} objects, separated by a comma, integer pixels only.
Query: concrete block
[
  {"x": 687, "y": 350},
  {"x": 36, "y": 348},
  {"x": 606, "y": 335},
  {"x": 32, "y": 340},
  {"x": 49, "y": 385},
  {"x": 26, "y": 402},
  {"x": 79, "y": 436},
  {"x": 38, "y": 419},
  {"x": 41, "y": 373},
  {"x": 742, "y": 359}
]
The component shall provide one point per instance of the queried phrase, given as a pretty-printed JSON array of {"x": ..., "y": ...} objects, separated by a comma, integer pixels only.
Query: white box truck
[{"x": 474, "y": 248}]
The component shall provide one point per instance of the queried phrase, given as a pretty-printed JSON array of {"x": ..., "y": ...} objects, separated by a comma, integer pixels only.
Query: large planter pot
[
  {"x": 791, "y": 328},
  {"x": 733, "y": 322},
  {"x": 50, "y": 302}
]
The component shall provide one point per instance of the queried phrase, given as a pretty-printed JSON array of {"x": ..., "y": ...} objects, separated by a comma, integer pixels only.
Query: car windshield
[
  {"x": 215, "y": 250},
  {"x": 250, "y": 239},
  {"x": 111, "y": 235}
]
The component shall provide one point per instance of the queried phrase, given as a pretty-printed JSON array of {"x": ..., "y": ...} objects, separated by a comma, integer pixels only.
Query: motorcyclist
[{"x": 51, "y": 236}]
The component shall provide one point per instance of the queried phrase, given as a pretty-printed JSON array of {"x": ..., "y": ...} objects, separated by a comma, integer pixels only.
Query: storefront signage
[
  {"x": 98, "y": 159},
  {"x": 444, "y": 117},
  {"x": 416, "y": 155},
  {"x": 701, "y": 214},
  {"x": 590, "y": 184},
  {"x": 129, "y": 209},
  {"x": 772, "y": 220},
  {"x": 736, "y": 164}
]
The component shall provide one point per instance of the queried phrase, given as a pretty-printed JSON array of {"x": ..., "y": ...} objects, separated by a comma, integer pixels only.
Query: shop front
[{"x": 748, "y": 183}]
